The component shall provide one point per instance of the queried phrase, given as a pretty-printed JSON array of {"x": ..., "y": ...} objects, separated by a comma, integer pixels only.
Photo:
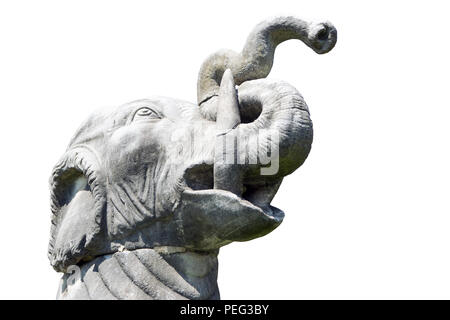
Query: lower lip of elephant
[{"x": 213, "y": 218}]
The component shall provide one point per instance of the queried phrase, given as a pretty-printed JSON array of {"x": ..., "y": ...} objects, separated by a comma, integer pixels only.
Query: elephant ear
[{"x": 77, "y": 203}]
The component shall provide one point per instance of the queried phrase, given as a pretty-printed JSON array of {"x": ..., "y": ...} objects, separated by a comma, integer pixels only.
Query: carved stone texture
[{"x": 148, "y": 192}]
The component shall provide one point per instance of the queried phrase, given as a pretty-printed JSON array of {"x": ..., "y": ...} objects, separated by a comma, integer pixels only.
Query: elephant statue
[{"x": 147, "y": 192}]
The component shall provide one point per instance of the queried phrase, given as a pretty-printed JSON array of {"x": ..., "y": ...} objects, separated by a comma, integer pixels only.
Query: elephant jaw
[{"x": 212, "y": 218}]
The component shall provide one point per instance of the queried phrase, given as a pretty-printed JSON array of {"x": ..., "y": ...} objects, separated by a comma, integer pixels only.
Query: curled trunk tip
[{"x": 256, "y": 58}]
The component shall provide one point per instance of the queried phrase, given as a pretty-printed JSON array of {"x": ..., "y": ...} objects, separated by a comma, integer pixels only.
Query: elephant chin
[{"x": 212, "y": 218}]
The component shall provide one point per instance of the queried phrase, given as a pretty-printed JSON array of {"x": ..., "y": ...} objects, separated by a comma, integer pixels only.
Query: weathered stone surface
[
  {"x": 148, "y": 192},
  {"x": 144, "y": 274}
]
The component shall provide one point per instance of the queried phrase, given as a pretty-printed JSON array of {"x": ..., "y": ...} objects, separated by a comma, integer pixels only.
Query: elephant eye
[{"x": 145, "y": 113}]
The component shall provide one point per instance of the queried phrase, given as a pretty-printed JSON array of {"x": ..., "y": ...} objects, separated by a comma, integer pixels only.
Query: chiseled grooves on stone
[{"x": 145, "y": 274}]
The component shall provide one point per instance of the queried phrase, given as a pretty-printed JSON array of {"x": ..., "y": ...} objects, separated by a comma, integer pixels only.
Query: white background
[{"x": 367, "y": 216}]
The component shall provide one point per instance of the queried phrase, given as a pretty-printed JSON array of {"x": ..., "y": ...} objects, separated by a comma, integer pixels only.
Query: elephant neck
[{"x": 145, "y": 274}]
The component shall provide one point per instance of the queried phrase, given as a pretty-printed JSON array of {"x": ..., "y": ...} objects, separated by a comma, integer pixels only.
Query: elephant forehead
[{"x": 102, "y": 122}]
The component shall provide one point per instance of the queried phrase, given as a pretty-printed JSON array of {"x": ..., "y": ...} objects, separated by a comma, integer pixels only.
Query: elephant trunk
[
  {"x": 282, "y": 129},
  {"x": 256, "y": 59}
]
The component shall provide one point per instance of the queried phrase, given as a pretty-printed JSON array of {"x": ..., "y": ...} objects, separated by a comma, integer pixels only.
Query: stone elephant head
[{"x": 161, "y": 172}]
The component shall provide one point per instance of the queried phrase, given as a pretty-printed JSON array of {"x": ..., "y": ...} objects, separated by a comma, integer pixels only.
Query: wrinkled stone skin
[{"x": 143, "y": 198}]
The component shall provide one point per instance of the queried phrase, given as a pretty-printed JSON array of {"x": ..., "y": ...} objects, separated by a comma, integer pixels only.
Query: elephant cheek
[{"x": 130, "y": 151}]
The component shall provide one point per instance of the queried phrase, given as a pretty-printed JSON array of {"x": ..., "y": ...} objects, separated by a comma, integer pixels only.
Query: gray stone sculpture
[{"x": 146, "y": 194}]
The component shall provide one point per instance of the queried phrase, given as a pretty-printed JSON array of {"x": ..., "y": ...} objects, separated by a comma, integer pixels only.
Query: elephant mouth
[{"x": 254, "y": 200}]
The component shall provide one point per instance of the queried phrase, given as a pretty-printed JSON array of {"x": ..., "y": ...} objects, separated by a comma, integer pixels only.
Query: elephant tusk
[
  {"x": 227, "y": 174},
  {"x": 228, "y": 115}
]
